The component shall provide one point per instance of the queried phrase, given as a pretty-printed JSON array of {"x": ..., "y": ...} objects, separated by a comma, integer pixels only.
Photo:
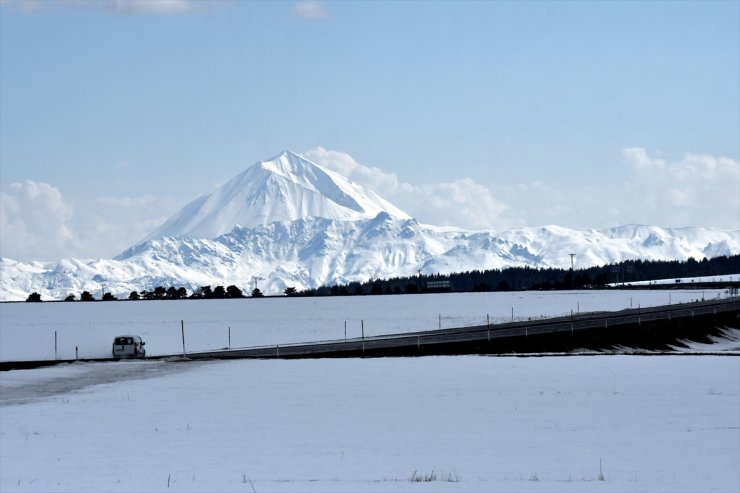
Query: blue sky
[{"x": 115, "y": 113}]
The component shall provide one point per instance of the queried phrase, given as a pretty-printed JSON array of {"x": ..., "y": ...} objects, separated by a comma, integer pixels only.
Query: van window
[{"x": 120, "y": 341}]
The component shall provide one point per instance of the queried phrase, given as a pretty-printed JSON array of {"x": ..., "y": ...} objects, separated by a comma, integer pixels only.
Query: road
[
  {"x": 647, "y": 328},
  {"x": 16, "y": 388}
]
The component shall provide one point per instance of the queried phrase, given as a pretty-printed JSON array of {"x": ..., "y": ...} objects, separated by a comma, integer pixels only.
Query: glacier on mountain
[{"x": 289, "y": 222}]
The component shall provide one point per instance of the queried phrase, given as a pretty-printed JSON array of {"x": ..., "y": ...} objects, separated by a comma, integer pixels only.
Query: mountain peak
[{"x": 287, "y": 187}]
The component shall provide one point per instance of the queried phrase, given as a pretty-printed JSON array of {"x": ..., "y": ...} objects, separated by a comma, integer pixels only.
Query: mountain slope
[{"x": 285, "y": 188}]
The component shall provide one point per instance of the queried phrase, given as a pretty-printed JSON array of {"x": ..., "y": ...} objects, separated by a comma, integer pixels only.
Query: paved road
[{"x": 610, "y": 328}]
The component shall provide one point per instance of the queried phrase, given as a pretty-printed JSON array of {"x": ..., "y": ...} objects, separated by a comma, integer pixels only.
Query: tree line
[
  {"x": 530, "y": 278},
  {"x": 508, "y": 279},
  {"x": 162, "y": 293}
]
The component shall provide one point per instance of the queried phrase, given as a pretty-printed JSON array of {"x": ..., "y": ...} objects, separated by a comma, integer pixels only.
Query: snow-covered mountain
[
  {"x": 285, "y": 188},
  {"x": 290, "y": 222}
]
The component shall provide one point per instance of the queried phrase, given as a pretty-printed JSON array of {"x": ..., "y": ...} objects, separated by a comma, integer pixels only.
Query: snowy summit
[{"x": 285, "y": 188}]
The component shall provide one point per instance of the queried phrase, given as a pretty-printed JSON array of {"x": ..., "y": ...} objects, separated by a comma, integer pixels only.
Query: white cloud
[
  {"x": 310, "y": 8},
  {"x": 146, "y": 6},
  {"x": 344, "y": 164},
  {"x": 118, "y": 6},
  {"x": 25, "y": 6},
  {"x": 34, "y": 221},
  {"x": 695, "y": 190},
  {"x": 462, "y": 203},
  {"x": 37, "y": 223},
  {"x": 692, "y": 191}
]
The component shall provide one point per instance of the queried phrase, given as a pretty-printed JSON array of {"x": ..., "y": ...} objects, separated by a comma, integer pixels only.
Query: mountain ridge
[
  {"x": 312, "y": 252},
  {"x": 290, "y": 222}
]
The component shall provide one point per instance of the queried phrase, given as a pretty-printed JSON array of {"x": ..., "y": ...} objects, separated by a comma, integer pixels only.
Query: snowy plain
[
  {"x": 457, "y": 424},
  {"x": 465, "y": 424},
  {"x": 27, "y": 330}
]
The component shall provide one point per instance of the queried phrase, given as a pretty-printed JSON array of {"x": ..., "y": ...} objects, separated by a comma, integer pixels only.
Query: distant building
[{"x": 438, "y": 285}]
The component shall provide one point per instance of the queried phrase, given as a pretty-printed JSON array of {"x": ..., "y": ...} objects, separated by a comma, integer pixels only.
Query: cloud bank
[
  {"x": 462, "y": 202},
  {"x": 161, "y": 7},
  {"x": 38, "y": 223},
  {"x": 695, "y": 190}
]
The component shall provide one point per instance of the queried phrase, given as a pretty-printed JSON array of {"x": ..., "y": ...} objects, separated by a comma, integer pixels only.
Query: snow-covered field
[
  {"x": 27, "y": 330},
  {"x": 470, "y": 423}
]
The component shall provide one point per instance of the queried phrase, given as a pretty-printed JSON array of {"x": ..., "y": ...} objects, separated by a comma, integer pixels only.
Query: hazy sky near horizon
[{"x": 485, "y": 115}]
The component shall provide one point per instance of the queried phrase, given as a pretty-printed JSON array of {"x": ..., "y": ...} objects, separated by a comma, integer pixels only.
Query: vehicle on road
[{"x": 128, "y": 347}]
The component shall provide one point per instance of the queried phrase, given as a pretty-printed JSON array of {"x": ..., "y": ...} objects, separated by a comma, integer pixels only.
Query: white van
[{"x": 128, "y": 347}]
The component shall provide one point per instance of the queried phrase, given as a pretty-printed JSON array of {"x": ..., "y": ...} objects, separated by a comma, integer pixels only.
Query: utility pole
[{"x": 572, "y": 261}]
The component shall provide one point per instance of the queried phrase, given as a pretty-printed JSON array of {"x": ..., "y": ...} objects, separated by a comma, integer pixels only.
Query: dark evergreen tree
[
  {"x": 70, "y": 297},
  {"x": 109, "y": 297},
  {"x": 86, "y": 296},
  {"x": 33, "y": 297},
  {"x": 256, "y": 293},
  {"x": 234, "y": 292},
  {"x": 134, "y": 296},
  {"x": 172, "y": 293},
  {"x": 377, "y": 287}
]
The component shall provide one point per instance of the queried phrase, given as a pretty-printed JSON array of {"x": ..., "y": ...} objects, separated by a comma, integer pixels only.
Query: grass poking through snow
[{"x": 451, "y": 477}]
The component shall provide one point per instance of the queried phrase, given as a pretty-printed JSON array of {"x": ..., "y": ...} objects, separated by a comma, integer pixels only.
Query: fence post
[
  {"x": 56, "y": 354},
  {"x": 229, "y": 336},
  {"x": 77, "y": 354},
  {"x": 182, "y": 331}
]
